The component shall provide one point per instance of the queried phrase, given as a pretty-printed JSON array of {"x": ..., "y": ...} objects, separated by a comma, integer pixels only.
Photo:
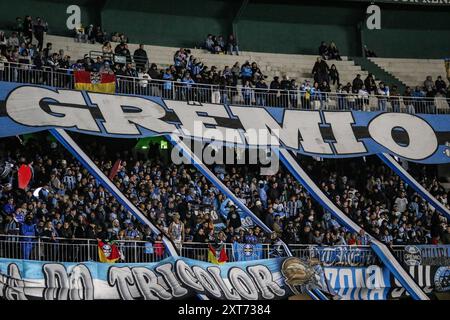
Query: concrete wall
[{"x": 285, "y": 27}]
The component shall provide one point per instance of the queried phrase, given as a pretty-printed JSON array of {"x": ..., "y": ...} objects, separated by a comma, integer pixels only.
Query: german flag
[
  {"x": 217, "y": 255},
  {"x": 95, "y": 81}
]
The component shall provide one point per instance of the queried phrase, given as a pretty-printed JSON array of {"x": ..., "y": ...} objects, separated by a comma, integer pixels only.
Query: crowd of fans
[
  {"x": 217, "y": 44},
  {"x": 95, "y": 34},
  {"x": 186, "y": 77},
  {"x": 188, "y": 208}
]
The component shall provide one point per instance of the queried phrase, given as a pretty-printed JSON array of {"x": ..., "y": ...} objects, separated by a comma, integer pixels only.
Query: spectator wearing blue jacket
[
  {"x": 27, "y": 229},
  {"x": 187, "y": 82},
  {"x": 168, "y": 79},
  {"x": 247, "y": 93},
  {"x": 246, "y": 72},
  {"x": 316, "y": 95},
  {"x": 383, "y": 94},
  {"x": 10, "y": 207},
  {"x": 418, "y": 99}
]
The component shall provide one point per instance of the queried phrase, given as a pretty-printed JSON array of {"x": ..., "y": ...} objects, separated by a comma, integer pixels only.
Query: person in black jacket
[
  {"x": 357, "y": 83},
  {"x": 140, "y": 58},
  {"x": 274, "y": 96},
  {"x": 440, "y": 85},
  {"x": 28, "y": 29},
  {"x": 233, "y": 218},
  {"x": 334, "y": 75},
  {"x": 370, "y": 84},
  {"x": 293, "y": 94},
  {"x": 39, "y": 28},
  {"x": 153, "y": 72},
  {"x": 261, "y": 92},
  {"x": 306, "y": 236},
  {"x": 285, "y": 86},
  {"x": 320, "y": 71},
  {"x": 200, "y": 236},
  {"x": 323, "y": 50}
]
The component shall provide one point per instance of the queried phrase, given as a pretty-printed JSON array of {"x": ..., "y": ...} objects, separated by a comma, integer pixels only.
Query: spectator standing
[
  {"x": 247, "y": 92},
  {"x": 274, "y": 95},
  {"x": 323, "y": 50},
  {"x": 285, "y": 85},
  {"x": 370, "y": 84},
  {"x": 320, "y": 71},
  {"x": 428, "y": 83},
  {"x": 28, "y": 29},
  {"x": 40, "y": 27},
  {"x": 234, "y": 219},
  {"x": 13, "y": 40},
  {"x": 357, "y": 83},
  {"x": 232, "y": 45},
  {"x": 46, "y": 53},
  {"x": 383, "y": 94},
  {"x": 440, "y": 85},
  {"x": 140, "y": 58},
  {"x": 261, "y": 92},
  {"x": 395, "y": 99},
  {"x": 176, "y": 230},
  {"x": 19, "y": 26}
]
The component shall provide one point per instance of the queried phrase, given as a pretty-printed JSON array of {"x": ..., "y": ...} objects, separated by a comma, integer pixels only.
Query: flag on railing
[
  {"x": 247, "y": 251},
  {"x": 95, "y": 81},
  {"x": 149, "y": 248},
  {"x": 217, "y": 255},
  {"x": 108, "y": 252}
]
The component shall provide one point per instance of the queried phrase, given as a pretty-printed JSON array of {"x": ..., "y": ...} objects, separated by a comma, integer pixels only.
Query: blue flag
[
  {"x": 247, "y": 251},
  {"x": 149, "y": 248}
]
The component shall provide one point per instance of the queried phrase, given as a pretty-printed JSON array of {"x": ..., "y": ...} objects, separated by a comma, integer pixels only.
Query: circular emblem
[
  {"x": 442, "y": 279},
  {"x": 413, "y": 256},
  {"x": 248, "y": 250},
  {"x": 106, "y": 250}
]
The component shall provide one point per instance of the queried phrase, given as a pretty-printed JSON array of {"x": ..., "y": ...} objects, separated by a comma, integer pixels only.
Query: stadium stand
[
  {"x": 412, "y": 72},
  {"x": 271, "y": 64},
  {"x": 64, "y": 213},
  {"x": 73, "y": 205}
]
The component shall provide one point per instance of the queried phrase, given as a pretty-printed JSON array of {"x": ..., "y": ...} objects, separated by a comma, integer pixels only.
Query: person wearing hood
[{"x": 28, "y": 229}]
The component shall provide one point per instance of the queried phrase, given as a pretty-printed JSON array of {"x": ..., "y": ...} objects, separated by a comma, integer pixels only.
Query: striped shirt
[
  {"x": 293, "y": 208},
  {"x": 70, "y": 182}
]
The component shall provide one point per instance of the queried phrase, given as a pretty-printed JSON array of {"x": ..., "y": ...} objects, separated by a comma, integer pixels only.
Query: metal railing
[
  {"x": 27, "y": 73},
  {"x": 118, "y": 58},
  {"x": 236, "y": 95},
  {"x": 78, "y": 250},
  {"x": 73, "y": 250}
]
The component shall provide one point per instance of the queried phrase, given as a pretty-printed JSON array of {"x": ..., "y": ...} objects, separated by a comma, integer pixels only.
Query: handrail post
[{"x": 39, "y": 248}]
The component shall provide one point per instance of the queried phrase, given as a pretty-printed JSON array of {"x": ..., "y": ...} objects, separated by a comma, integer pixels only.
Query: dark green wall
[
  {"x": 52, "y": 12},
  {"x": 411, "y": 33},
  {"x": 288, "y": 27},
  {"x": 168, "y": 22},
  {"x": 401, "y": 43},
  {"x": 269, "y": 36},
  {"x": 158, "y": 29},
  {"x": 298, "y": 29}
]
